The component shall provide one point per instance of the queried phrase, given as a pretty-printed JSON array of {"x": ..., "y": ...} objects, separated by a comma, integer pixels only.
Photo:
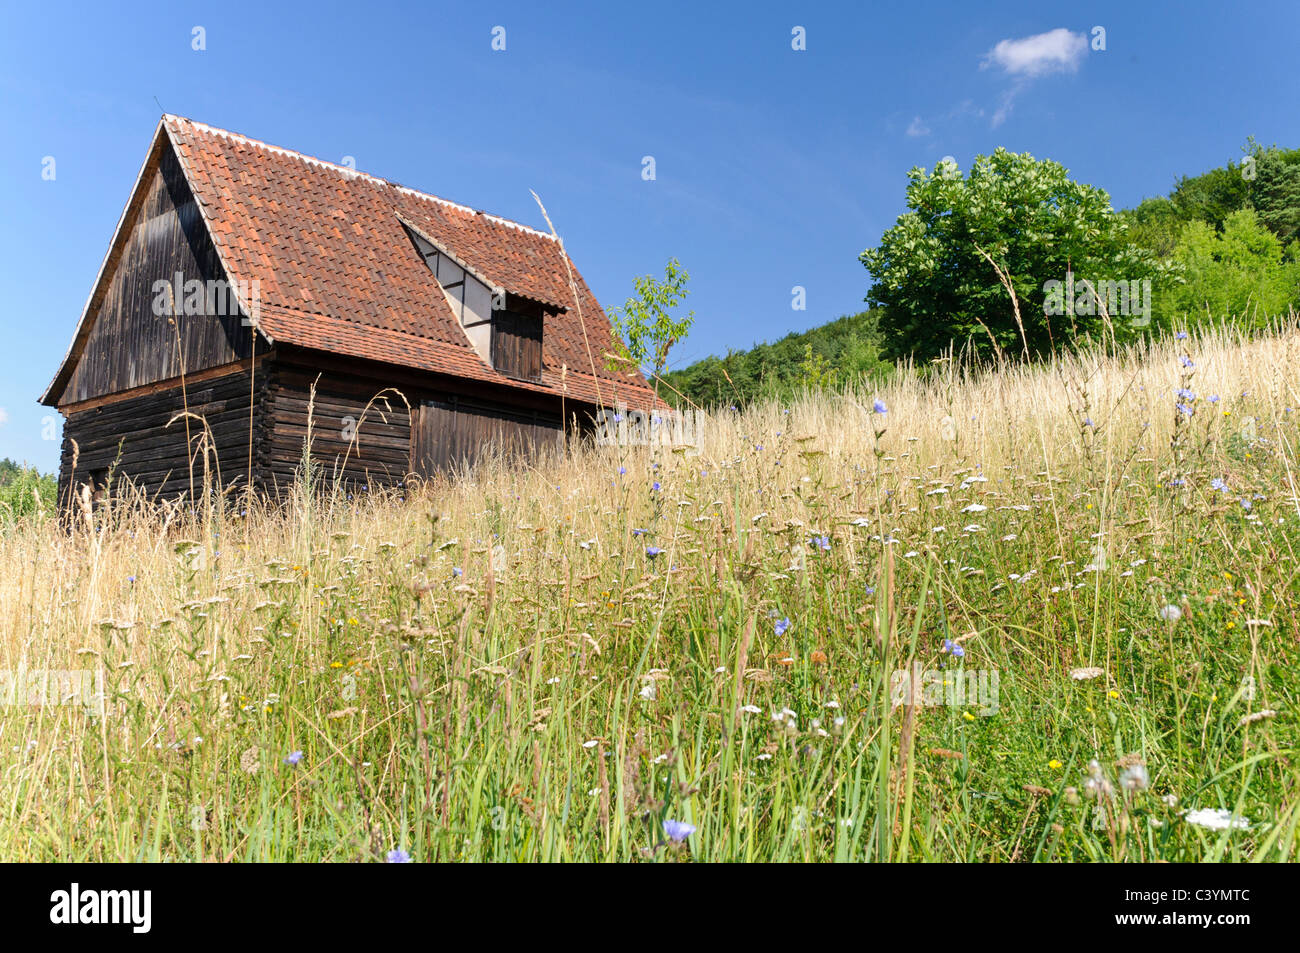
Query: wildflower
[
  {"x": 968, "y": 716},
  {"x": 649, "y": 691},
  {"x": 879, "y": 406},
  {"x": 1186, "y": 394},
  {"x": 1185, "y": 410},
  {"x": 655, "y": 487},
  {"x": 1112, "y": 694},
  {"x": 870, "y": 590},
  {"x": 457, "y": 571},
  {"x": 622, "y": 471},
  {"x": 1213, "y": 398},
  {"x": 821, "y": 542},
  {"x": 1218, "y": 483},
  {"x": 678, "y": 831},
  {"x": 949, "y": 646},
  {"x": 398, "y": 856},
  {"x": 1245, "y": 503},
  {"x": 1186, "y": 361},
  {"x": 130, "y": 578},
  {"x": 751, "y": 709},
  {"x": 782, "y": 626},
  {"x": 293, "y": 759},
  {"x": 1171, "y": 613},
  {"x": 1084, "y": 674},
  {"x": 1055, "y": 765},
  {"x": 1181, "y": 335},
  {"x": 1098, "y": 785},
  {"x": 1134, "y": 778},
  {"x": 652, "y": 551},
  {"x": 1216, "y": 819}
]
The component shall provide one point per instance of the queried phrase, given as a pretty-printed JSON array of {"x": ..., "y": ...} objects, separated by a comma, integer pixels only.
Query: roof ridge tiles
[{"x": 350, "y": 173}]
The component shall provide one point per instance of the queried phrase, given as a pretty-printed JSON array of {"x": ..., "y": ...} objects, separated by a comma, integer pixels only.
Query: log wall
[
  {"x": 141, "y": 437},
  {"x": 360, "y": 440}
]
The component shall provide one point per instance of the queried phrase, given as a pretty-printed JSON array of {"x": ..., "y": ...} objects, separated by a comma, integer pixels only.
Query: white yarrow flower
[{"x": 1216, "y": 819}]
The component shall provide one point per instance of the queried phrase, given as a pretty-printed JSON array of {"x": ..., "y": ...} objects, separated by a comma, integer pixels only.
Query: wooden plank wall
[
  {"x": 517, "y": 344},
  {"x": 138, "y": 438},
  {"x": 129, "y": 345},
  {"x": 381, "y": 453},
  {"x": 453, "y": 432}
]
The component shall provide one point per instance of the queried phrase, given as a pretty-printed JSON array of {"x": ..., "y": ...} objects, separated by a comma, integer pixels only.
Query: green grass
[{"x": 566, "y": 701}]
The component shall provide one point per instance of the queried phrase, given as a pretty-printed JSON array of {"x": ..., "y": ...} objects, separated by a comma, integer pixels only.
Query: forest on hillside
[{"x": 1220, "y": 246}]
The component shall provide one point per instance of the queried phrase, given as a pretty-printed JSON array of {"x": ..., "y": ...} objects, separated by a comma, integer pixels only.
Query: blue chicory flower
[{"x": 678, "y": 831}]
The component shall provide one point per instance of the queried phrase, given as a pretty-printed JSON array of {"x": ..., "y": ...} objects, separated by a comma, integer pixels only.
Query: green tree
[
  {"x": 843, "y": 351},
  {"x": 645, "y": 327},
  {"x": 946, "y": 270},
  {"x": 1212, "y": 196},
  {"x": 1244, "y": 270},
  {"x": 24, "y": 491},
  {"x": 1275, "y": 191}
]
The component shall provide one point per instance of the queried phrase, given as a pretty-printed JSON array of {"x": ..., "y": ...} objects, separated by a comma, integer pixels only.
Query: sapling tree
[{"x": 645, "y": 326}]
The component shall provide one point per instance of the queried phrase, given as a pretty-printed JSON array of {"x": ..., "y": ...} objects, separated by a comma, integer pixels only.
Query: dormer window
[
  {"x": 504, "y": 330},
  {"x": 517, "y": 339}
]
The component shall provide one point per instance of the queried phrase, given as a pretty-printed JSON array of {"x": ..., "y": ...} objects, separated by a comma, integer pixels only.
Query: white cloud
[
  {"x": 1026, "y": 59},
  {"x": 1004, "y": 106},
  {"x": 4, "y": 416},
  {"x": 1056, "y": 51},
  {"x": 918, "y": 128}
]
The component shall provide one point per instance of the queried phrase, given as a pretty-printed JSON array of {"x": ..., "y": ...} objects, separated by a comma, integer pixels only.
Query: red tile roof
[{"x": 338, "y": 272}]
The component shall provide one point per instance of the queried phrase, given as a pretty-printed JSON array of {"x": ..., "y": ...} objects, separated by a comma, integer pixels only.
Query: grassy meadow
[{"x": 1086, "y": 573}]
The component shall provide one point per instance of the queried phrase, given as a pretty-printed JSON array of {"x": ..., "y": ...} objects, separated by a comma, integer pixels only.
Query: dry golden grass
[{"x": 494, "y": 666}]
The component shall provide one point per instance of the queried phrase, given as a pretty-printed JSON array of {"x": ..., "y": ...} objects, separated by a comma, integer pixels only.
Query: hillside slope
[{"x": 1045, "y": 615}]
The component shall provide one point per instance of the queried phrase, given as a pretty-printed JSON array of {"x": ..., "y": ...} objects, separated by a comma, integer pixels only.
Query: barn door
[{"x": 453, "y": 432}]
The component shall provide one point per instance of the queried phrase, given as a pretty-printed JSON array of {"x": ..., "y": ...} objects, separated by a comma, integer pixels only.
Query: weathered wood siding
[
  {"x": 138, "y": 437},
  {"x": 517, "y": 344},
  {"x": 452, "y": 432},
  {"x": 129, "y": 345},
  {"x": 381, "y": 451},
  {"x": 449, "y": 424}
]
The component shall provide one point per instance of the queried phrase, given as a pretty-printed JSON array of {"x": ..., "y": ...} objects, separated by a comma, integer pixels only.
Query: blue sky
[{"x": 774, "y": 168}]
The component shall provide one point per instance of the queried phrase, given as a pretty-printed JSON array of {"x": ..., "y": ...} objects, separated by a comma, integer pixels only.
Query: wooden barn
[{"x": 242, "y": 273}]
